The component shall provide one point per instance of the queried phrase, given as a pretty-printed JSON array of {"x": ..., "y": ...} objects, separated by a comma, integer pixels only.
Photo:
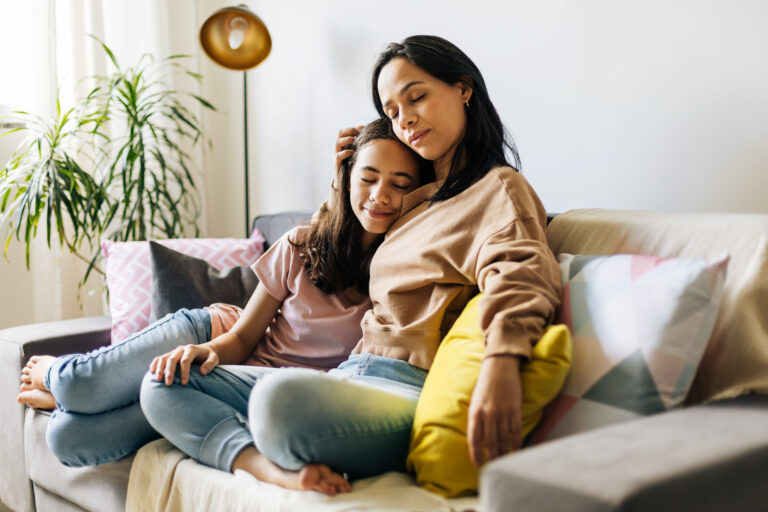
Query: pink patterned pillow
[{"x": 129, "y": 273}]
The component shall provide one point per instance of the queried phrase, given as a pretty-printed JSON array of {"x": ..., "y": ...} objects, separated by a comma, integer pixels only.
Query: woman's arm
[
  {"x": 520, "y": 281},
  {"x": 232, "y": 347},
  {"x": 495, "y": 410}
]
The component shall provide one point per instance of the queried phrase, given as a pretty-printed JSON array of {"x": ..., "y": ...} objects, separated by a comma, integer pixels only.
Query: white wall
[
  {"x": 660, "y": 105},
  {"x": 657, "y": 105}
]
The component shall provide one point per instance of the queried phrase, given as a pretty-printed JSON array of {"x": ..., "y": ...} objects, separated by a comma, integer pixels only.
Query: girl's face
[
  {"x": 383, "y": 173},
  {"x": 427, "y": 114}
]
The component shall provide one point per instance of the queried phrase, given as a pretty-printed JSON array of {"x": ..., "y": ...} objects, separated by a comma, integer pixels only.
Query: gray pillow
[{"x": 183, "y": 281}]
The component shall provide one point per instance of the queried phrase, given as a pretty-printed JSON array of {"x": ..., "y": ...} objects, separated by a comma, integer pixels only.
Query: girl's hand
[
  {"x": 495, "y": 416},
  {"x": 164, "y": 366},
  {"x": 344, "y": 139}
]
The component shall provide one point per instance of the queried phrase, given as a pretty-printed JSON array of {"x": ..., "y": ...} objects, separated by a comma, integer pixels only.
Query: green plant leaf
[
  {"x": 106, "y": 50},
  {"x": 203, "y": 102},
  {"x": 114, "y": 163}
]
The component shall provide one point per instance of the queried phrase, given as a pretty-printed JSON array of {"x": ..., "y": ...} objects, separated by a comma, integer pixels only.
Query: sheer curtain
[{"x": 46, "y": 48}]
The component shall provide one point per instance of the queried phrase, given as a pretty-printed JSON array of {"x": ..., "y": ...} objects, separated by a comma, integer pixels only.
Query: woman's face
[
  {"x": 383, "y": 173},
  {"x": 427, "y": 114}
]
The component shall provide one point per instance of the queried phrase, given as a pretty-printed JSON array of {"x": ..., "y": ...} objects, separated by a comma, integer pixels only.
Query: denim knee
[
  {"x": 87, "y": 440},
  {"x": 152, "y": 398},
  {"x": 61, "y": 443},
  {"x": 275, "y": 415}
]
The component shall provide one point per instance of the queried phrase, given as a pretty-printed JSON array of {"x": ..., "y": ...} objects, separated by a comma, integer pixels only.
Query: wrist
[{"x": 503, "y": 359}]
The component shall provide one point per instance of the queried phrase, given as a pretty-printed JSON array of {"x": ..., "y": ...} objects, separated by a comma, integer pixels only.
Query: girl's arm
[
  {"x": 232, "y": 347},
  {"x": 248, "y": 330}
]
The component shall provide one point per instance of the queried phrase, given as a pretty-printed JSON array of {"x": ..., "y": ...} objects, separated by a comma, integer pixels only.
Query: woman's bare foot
[
  {"x": 312, "y": 477},
  {"x": 32, "y": 374},
  {"x": 37, "y": 398}
]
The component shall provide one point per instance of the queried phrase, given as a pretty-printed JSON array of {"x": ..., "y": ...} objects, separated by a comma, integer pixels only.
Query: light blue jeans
[
  {"x": 97, "y": 417},
  {"x": 356, "y": 418}
]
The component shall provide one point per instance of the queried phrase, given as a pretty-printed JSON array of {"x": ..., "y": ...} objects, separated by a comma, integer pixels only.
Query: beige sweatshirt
[{"x": 434, "y": 259}]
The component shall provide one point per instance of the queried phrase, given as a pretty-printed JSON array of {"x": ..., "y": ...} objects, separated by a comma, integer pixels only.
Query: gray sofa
[{"x": 706, "y": 456}]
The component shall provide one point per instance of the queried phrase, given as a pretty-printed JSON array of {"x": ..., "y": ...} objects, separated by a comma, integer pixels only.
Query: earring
[{"x": 466, "y": 102}]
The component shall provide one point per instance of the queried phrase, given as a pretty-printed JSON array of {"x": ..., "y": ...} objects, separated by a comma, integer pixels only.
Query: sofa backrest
[
  {"x": 272, "y": 226},
  {"x": 736, "y": 358}
]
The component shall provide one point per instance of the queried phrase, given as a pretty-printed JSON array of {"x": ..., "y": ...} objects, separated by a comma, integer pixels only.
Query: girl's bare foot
[
  {"x": 32, "y": 374},
  {"x": 37, "y": 398},
  {"x": 312, "y": 477}
]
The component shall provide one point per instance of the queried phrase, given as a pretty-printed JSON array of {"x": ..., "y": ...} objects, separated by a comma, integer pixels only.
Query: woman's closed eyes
[{"x": 393, "y": 114}]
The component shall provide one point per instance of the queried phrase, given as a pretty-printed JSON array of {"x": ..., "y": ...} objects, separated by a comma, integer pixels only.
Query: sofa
[{"x": 710, "y": 453}]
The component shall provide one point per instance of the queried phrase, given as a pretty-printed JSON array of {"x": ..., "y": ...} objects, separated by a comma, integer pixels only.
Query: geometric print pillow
[
  {"x": 639, "y": 327},
  {"x": 128, "y": 272}
]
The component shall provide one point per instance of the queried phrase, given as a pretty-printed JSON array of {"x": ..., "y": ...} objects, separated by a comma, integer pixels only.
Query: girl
[
  {"x": 202, "y": 410},
  {"x": 480, "y": 226},
  {"x": 305, "y": 312}
]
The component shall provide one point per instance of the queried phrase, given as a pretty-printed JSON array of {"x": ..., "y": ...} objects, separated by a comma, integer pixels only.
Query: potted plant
[{"x": 114, "y": 166}]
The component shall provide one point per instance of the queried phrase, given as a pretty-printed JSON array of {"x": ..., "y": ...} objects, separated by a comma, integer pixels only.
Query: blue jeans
[
  {"x": 205, "y": 418},
  {"x": 97, "y": 417},
  {"x": 356, "y": 418}
]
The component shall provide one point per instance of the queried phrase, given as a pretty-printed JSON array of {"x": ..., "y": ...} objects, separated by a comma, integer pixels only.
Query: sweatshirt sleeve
[{"x": 520, "y": 281}]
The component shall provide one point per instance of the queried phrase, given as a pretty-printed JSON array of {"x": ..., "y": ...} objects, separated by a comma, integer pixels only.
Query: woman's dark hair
[
  {"x": 332, "y": 250},
  {"x": 485, "y": 138}
]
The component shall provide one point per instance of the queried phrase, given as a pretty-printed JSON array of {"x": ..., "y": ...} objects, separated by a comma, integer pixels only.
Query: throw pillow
[
  {"x": 129, "y": 273},
  {"x": 640, "y": 325},
  {"x": 439, "y": 452},
  {"x": 183, "y": 281}
]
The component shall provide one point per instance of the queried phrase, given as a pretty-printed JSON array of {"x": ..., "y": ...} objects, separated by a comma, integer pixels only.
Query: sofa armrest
[
  {"x": 60, "y": 337},
  {"x": 706, "y": 458},
  {"x": 17, "y": 345}
]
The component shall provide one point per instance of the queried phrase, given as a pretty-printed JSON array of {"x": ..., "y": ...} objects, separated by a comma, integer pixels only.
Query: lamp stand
[{"x": 245, "y": 147}]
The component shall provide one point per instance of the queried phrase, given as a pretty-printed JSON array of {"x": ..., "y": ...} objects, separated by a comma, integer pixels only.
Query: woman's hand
[
  {"x": 164, "y": 366},
  {"x": 344, "y": 139},
  {"x": 495, "y": 417}
]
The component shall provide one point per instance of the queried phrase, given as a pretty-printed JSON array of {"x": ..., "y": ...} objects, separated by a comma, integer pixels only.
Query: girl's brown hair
[{"x": 332, "y": 250}]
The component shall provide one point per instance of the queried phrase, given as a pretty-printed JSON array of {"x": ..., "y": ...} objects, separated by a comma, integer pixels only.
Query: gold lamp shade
[{"x": 235, "y": 38}]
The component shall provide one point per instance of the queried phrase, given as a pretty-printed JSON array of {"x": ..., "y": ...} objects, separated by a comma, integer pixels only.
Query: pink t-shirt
[{"x": 312, "y": 329}]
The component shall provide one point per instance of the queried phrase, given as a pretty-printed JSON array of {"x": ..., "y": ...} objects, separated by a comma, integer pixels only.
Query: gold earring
[{"x": 466, "y": 102}]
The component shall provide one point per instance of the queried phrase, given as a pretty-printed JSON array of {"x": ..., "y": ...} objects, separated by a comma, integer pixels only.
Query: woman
[
  {"x": 302, "y": 317},
  {"x": 480, "y": 226}
]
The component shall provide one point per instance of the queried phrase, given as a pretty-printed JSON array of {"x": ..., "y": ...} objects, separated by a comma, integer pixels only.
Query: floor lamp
[{"x": 236, "y": 38}]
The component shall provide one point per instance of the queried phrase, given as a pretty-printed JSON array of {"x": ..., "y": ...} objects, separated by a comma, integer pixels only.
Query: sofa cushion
[
  {"x": 439, "y": 453},
  {"x": 163, "y": 478},
  {"x": 183, "y": 281},
  {"x": 736, "y": 359},
  {"x": 129, "y": 273},
  {"x": 640, "y": 325}
]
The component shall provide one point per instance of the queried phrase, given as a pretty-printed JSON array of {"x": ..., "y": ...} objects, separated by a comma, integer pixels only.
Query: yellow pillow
[{"x": 439, "y": 454}]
